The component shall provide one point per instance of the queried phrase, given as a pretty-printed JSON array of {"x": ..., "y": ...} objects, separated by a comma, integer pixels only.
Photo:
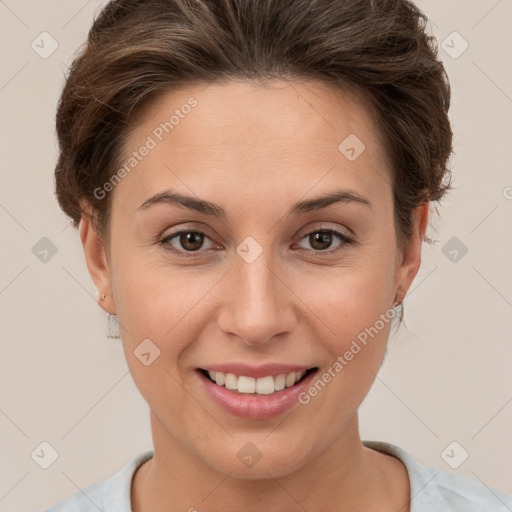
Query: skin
[{"x": 255, "y": 151}]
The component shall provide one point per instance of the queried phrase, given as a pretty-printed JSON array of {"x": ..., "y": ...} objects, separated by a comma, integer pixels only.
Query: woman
[{"x": 252, "y": 180}]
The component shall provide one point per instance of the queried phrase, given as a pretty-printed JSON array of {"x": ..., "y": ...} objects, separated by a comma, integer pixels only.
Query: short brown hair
[{"x": 137, "y": 49}]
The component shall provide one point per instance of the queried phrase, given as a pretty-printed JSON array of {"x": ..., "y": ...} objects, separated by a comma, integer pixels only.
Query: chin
[{"x": 255, "y": 460}]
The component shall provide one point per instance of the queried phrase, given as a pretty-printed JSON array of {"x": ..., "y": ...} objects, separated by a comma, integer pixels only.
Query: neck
[{"x": 339, "y": 475}]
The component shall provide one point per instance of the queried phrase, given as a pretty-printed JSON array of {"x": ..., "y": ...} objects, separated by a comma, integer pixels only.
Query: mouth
[{"x": 265, "y": 385}]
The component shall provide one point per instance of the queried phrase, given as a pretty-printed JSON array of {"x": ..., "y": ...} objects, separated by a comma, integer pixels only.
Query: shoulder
[
  {"x": 433, "y": 490},
  {"x": 109, "y": 495}
]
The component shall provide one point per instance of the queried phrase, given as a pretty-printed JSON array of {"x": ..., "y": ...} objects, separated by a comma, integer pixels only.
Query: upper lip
[{"x": 263, "y": 370}]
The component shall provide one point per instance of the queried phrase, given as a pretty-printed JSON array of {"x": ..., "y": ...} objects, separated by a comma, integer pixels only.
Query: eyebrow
[{"x": 208, "y": 208}]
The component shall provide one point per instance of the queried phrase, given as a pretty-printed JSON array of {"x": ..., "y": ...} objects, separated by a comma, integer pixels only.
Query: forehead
[{"x": 256, "y": 136}]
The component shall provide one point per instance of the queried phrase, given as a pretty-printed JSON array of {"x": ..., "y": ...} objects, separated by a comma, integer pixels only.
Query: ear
[
  {"x": 409, "y": 259},
  {"x": 96, "y": 258}
]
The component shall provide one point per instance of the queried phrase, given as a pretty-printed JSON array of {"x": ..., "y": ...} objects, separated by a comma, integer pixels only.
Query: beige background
[{"x": 447, "y": 377}]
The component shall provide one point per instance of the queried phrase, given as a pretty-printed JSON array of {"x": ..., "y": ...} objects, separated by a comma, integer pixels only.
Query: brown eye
[
  {"x": 191, "y": 240},
  {"x": 186, "y": 241},
  {"x": 321, "y": 240}
]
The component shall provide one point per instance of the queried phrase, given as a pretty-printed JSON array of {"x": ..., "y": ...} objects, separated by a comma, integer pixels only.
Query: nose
[{"x": 260, "y": 302}]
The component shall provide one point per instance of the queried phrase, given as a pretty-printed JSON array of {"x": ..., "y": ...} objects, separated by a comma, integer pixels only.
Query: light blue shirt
[{"x": 431, "y": 490}]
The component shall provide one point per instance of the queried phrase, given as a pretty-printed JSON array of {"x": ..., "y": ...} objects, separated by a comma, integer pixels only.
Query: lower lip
[{"x": 254, "y": 406}]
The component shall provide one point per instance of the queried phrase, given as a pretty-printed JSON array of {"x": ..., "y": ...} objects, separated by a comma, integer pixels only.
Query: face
[{"x": 263, "y": 275}]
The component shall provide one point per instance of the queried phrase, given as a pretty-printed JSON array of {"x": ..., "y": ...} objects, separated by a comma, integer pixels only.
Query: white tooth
[
  {"x": 246, "y": 384},
  {"x": 290, "y": 379},
  {"x": 231, "y": 381},
  {"x": 265, "y": 385},
  {"x": 280, "y": 382},
  {"x": 262, "y": 386}
]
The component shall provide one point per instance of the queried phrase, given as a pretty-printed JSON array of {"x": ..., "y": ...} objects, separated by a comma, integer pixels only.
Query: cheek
[
  {"x": 357, "y": 317},
  {"x": 168, "y": 306},
  {"x": 354, "y": 306},
  {"x": 350, "y": 298},
  {"x": 159, "y": 303},
  {"x": 155, "y": 318}
]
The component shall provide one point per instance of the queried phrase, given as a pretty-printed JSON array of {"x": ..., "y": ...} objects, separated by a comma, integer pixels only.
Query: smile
[
  {"x": 250, "y": 385},
  {"x": 259, "y": 396}
]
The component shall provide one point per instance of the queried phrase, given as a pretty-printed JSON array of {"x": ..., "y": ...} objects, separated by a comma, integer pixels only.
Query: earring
[
  {"x": 397, "y": 303},
  {"x": 103, "y": 297},
  {"x": 112, "y": 321},
  {"x": 398, "y": 308}
]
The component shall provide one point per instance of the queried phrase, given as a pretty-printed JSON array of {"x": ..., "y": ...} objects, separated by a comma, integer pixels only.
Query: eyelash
[{"x": 346, "y": 241}]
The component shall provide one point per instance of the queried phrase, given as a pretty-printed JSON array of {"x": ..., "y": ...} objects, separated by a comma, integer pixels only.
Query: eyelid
[
  {"x": 166, "y": 238},
  {"x": 345, "y": 240},
  {"x": 328, "y": 227},
  {"x": 201, "y": 228}
]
